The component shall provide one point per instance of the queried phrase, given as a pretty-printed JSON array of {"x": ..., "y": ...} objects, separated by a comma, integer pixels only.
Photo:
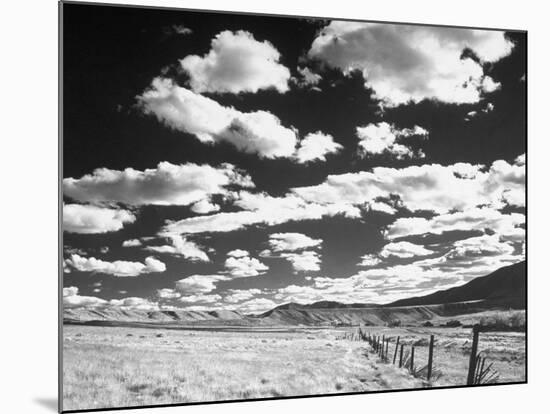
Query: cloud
[
  {"x": 404, "y": 250},
  {"x": 259, "y": 209},
  {"x": 315, "y": 146},
  {"x": 118, "y": 268},
  {"x": 167, "y": 184},
  {"x": 472, "y": 114},
  {"x": 482, "y": 246},
  {"x": 168, "y": 293},
  {"x": 381, "y": 207},
  {"x": 306, "y": 261},
  {"x": 423, "y": 62},
  {"x": 87, "y": 219},
  {"x": 240, "y": 264},
  {"x": 204, "y": 207},
  {"x": 430, "y": 187},
  {"x": 380, "y": 138},
  {"x": 238, "y": 253},
  {"x": 520, "y": 160},
  {"x": 134, "y": 303},
  {"x": 258, "y": 305},
  {"x": 200, "y": 298},
  {"x": 178, "y": 29},
  {"x": 199, "y": 283},
  {"x": 292, "y": 241},
  {"x": 181, "y": 247},
  {"x": 70, "y": 291},
  {"x": 71, "y": 299},
  {"x": 369, "y": 260},
  {"x": 131, "y": 243},
  {"x": 236, "y": 63},
  {"x": 307, "y": 78},
  {"x": 257, "y": 132},
  {"x": 507, "y": 226},
  {"x": 239, "y": 295}
]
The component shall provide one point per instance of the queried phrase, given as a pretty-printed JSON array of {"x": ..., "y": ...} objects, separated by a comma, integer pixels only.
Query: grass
[
  {"x": 105, "y": 368},
  {"x": 124, "y": 366}
]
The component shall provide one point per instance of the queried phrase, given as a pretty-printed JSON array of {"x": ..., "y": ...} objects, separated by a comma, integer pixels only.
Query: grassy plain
[{"x": 124, "y": 366}]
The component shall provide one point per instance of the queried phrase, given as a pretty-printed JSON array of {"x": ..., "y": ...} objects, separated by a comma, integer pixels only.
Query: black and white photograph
[{"x": 260, "y": 206}]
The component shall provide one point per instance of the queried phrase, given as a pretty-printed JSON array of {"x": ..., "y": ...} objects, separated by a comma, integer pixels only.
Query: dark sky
[{"x": 111, "y": 56}]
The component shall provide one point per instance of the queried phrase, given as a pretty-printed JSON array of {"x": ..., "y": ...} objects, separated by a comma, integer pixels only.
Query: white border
[{"x": 28, "y": 33}]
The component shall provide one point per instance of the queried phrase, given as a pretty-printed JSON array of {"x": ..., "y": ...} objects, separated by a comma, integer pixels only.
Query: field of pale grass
[
  {"x": 115, "y": 367},
  {"x": 106, "y": 367}
]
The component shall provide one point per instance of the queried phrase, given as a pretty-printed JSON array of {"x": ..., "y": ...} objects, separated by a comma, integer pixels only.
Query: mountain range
[{"x": 502, "y": 289}]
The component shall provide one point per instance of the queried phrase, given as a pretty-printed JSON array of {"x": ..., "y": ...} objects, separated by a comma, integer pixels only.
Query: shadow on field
[{"x": 49, "y": 403}]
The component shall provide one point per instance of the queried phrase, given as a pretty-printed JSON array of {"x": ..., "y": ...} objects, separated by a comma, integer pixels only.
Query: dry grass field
[{"x": 122, "y": 366}]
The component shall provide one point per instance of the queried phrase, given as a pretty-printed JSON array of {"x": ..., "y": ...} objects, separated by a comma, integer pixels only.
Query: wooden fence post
[
  {"x": 430, "y": 357},
  {"x": 411, "y": 367},
  {"x": 382, "y": 347},
  {"x": 401, "y": 356},
  {"x": 387, "y": 346},
  {"x": 473, "y": 357},
  {"x": 395, "y": 353}
]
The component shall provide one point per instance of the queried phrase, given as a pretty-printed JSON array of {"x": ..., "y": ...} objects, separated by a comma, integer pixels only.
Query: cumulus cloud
[
  {"x": 260, "y": 209},
  {"x": 257, "y": 132},
  {"x": 257, "y": 305},
  {"x": 306, "y": 261},
  {"x": 369, "y": 260},
  {"x": 118, "y": 268},
  {"x": 237, "y": 63},
  {"x": 240, "y": 264},
  {"x": 200, "y": 298},
  {"x": 240, "y": 295},
  {"x": 292, "y": 241},
  {"x": 165, "y": 185},
  {"x": 180, "y": 246},
  {"x": 381, "y": 207},
  {"x": 507, "y": 226},
  {"x": 71, "y": 299},
  {"x": 78, "y": 301},
  {"x": 238, "y": 253},
  {"x": 482, "y": 246},
  {"x": 88, "y": 219},
  {"x": 178, "y": 29},
  {"x": 204, "y": 207},
  {"x": 199, "y": 283},
  {"x": 404, "y": 250},
  {"x": 426, "y": 187},
  {"x": 70, "y": 291},
  {"x": 422, "y": 63},
  {"x": 380, "y": 138},
  {"x": 131, "y": 243},
  {"x": 520, "y": 160},
  {"x": 307, "y": 78},
  {"x": 167, "y": 293},
  {"x": 315, "y": 146},
  {"x": 134, "y": 303}
]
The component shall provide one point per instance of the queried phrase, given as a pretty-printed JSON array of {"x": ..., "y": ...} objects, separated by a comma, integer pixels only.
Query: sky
[{"x": 223, "y": 161}]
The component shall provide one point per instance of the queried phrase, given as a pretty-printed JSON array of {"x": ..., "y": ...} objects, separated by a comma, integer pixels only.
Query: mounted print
[{"x": 259, "y": 207}]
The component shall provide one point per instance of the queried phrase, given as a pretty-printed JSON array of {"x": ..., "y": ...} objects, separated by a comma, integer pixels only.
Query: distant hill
[
  {"x": 504, "y": 284},
  {"x": 324, "y": 304},
  {"x": 500, "y": 290}
]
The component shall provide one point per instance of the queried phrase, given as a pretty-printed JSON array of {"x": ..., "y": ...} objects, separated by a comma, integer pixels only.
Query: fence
[{"x": 392, "y": 350}]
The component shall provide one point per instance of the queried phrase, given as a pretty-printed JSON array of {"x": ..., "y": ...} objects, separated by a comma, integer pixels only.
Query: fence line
[{"x": 478, "y": 371}]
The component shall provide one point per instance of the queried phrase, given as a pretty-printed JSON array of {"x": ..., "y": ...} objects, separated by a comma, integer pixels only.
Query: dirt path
[{"x": 366, "y": 367}]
